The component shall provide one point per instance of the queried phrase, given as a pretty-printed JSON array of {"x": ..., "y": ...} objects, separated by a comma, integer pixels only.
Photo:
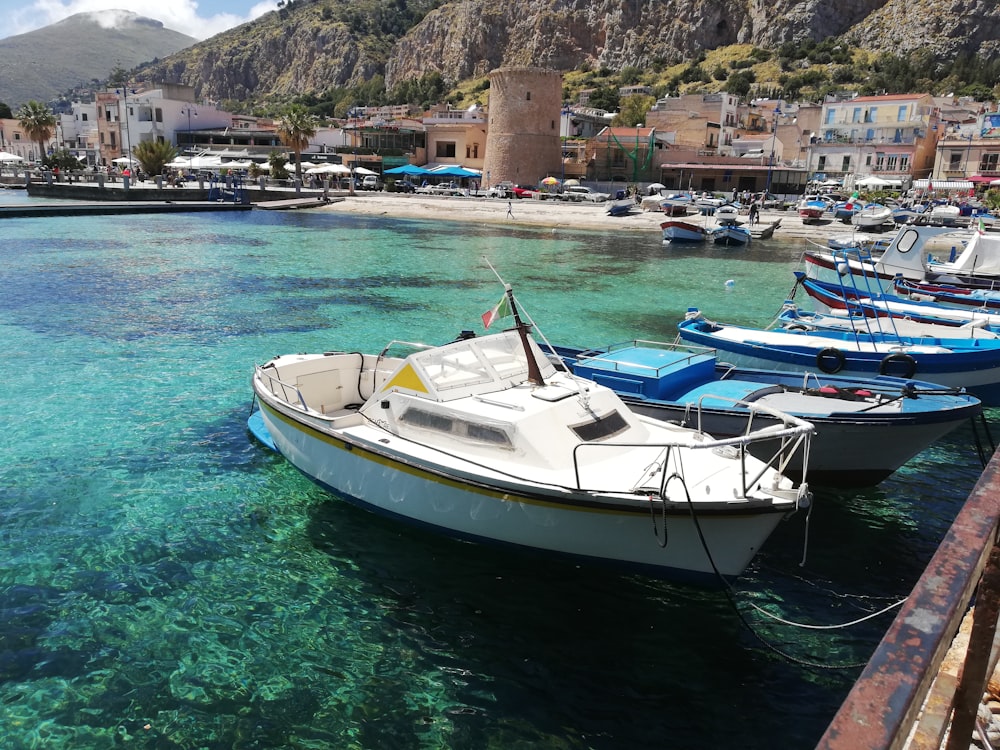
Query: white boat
[
  {"x": 872, "y": 216},
  {"x": 727, "y": 214},
  {"x": 970, "y": 258},
  {"x": 943, "y": 213},
  {"x": 484, "y": 439}
]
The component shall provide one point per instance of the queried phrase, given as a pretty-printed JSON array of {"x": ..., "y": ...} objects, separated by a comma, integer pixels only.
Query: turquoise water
[{"x": 167, "y": 583}]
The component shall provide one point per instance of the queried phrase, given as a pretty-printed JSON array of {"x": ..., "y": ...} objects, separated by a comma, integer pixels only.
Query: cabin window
[
  {"x": 462, "y": 429},
  {"x": 602, "y": 427}
]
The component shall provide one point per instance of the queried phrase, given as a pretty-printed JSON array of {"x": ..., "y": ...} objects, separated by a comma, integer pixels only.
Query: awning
[
  {"x": 942, "y": 185},
  {"x": 981, "y": 178}
]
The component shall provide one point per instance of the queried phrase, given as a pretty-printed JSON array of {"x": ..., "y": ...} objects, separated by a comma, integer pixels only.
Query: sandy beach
[{"x": 560, "y": 215}]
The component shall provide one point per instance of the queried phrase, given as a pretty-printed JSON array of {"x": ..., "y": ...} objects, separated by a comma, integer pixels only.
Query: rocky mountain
[
  {"x": 47, "y": 62},
  {"x": 308, "y": 46}
]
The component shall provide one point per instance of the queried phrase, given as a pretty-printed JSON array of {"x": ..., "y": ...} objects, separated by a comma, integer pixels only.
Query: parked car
[
  {"x": 403, "y": 186},
  {"x": 524, "y": 191},
  {"x": 501, "y": 190},
  {"x": 581, "y": 193},
  {"x": 770, "y": 200},
  {"x": 446, "y": 188},
  {"x": 371, "y": 182}
]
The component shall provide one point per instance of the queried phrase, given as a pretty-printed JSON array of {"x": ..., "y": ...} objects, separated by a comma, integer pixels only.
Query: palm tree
[
  {"x": 154, "y": 155},
  {"x": 38, "y": 122},
  {"x": 295, "y": 128}
]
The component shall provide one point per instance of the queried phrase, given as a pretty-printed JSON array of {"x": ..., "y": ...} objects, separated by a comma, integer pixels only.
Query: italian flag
[{"x": 502, "y": 310}]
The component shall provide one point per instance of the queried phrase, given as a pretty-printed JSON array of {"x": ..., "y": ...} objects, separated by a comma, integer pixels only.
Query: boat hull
[
  {"x": 682, "y": 231},
  {"x": 368, "y": 471},
  {"x": 730, "y": 235}
]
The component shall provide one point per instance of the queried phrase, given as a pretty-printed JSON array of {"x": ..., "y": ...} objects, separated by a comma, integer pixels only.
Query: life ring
[
  {"x": 830, "y": 360},
  {"x": 908, "y": 363}
]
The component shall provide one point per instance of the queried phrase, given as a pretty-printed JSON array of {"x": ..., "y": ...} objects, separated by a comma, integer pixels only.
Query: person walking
[
  {"x": 753, "y": 213},
  {"x": 510, "y": 212}
]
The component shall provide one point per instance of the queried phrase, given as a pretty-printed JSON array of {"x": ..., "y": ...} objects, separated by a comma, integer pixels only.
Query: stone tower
[{"x": 522, "y": 143}]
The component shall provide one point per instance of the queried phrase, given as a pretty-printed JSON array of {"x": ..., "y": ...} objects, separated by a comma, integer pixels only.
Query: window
[
  {"x": 879, "y": 162},
  {"x": 845, "y": 165},
  {"x": 856, "y": 115},
  {"x": 831, "y": 114},
  {"x": 159, "y": 114},
  {"x": 890, "y": 163},
  {"x": 528, "y": 96},
  {"x": 901, "y": 115},
  {"x": 954, "y": 161},
  {"x": 988, "y": 162},
  {"x": 821, "y": 164},
  {"x": 83, "y": 116},
  {"x": 904, "y": 163},
  {"x": 600, "y": 428},
  {"x": 446, "y": 149}
]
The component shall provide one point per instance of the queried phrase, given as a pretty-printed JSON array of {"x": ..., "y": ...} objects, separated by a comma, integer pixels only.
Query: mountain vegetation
[{"x": 330, "y": 55}]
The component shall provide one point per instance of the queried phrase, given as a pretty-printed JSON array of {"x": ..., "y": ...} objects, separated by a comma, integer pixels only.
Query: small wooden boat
[
  {"x": 970, "y": 363},
  {"x": 731, "y": 234},
  {"x": 676, "y": 230},
  {"x": 866, "y": 428},
  {"x": 812, "y": 209},
  {"x": 676, "y": 204},
  {"x": 872, "y": 216},
  {"x": 622, "y": 207}
]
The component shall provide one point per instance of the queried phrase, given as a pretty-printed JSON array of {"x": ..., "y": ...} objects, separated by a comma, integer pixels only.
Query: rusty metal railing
[{"x": 882, "y": 709}]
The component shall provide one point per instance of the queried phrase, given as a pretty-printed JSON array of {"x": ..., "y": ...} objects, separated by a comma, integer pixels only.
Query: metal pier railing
[{"x": 898, "y": 702}]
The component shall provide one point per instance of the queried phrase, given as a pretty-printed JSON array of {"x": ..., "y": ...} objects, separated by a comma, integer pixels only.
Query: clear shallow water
[{"x": 167, "y": 583}]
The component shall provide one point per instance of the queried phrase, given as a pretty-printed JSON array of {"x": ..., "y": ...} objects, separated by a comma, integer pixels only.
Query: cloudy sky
[{"x": 198, "y": 18}]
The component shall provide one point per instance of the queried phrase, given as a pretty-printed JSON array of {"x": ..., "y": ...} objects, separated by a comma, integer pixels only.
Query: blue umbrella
[{"x": 408, "y": 169}]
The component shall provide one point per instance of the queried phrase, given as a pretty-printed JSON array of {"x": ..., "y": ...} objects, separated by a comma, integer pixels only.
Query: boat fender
[
  {"x": 830, "y": 360},
  {"x": 906, "y": 368}
]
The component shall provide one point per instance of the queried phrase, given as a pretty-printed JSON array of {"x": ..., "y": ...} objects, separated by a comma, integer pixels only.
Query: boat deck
[{"x": 11, "y": 211}]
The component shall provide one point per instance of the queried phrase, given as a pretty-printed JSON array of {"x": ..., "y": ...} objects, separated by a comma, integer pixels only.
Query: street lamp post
[
  {"x": 770, "y": 161},
  {"x": 188, "y": 111}
]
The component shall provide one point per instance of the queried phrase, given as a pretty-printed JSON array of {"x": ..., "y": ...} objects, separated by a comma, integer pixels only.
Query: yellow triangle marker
[{"x": 406, "y": 378}]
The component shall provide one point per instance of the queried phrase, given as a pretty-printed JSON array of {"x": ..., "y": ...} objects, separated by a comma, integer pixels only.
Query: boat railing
[
  {"x": 789, "y": 435},
  {"x": 285, "y": 388}
]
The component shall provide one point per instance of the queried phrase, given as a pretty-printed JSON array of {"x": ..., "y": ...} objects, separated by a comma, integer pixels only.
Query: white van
[{"x": 371, "y": 182}]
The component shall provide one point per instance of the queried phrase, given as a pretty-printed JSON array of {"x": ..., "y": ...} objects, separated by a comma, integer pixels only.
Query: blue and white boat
[
  {"x": 484, "y": 439},
  {"x": 730, "y": 234},
  {"x": 866, "y": 428},
  {"x": 970, "y": 363},
  {"x": 621, "y": 207}
]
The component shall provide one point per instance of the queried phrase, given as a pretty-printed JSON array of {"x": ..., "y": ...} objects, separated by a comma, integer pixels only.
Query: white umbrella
[
  {"x": 363, "y": 171},
  {"x": 7, "y": 156},
  {"x": 872, "y": 181},
  {"x": 655, "y": 188},
  {"x": 329, "y": 169},
  {"x": 124, "y": 160}
]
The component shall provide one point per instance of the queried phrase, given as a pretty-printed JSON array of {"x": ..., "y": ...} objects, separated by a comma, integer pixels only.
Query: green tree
[
  {"x": 278, "y": 162},
  {"x": 633, "y": 110},
  {"x": 62, "y": 159},
  {"x": 154, "y": 155},
  {"x": 5, "y": 113},
  {"x": 38, "y": 122},
  {"x": 295, "y": 128}
]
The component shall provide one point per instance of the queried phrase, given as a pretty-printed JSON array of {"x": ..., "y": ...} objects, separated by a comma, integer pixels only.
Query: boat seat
[{"x": 722, "y": 393}]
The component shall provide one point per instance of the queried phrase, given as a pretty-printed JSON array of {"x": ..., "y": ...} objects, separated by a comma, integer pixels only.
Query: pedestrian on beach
[
  {"x": 753, "y": 213},
  {"x": 510, "y": 212}
]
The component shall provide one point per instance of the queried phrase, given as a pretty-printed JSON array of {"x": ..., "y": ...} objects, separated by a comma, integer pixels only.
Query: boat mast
[{"x": 534, "y": 373}]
